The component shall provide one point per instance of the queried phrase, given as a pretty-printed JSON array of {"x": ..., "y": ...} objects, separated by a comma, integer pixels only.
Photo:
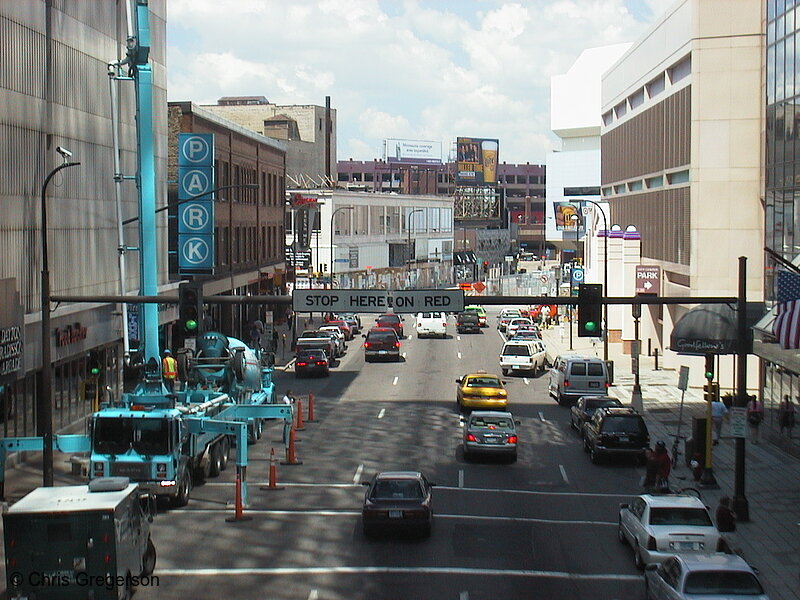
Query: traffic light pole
[
  {"x": 707, "y": 479},
  {"x": 740, "y": 503}
]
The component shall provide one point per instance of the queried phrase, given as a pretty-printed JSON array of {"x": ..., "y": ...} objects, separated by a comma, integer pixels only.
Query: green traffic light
[
  {"x": 95, "y": 371},
  {"x": 591, "y": 326},
  {"x": 191, "y": 325},
  {"x": 709, "y": 375}
]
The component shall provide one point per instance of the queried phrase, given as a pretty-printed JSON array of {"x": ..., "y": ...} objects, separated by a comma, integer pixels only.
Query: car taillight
[
  {"x": 512, "y": 439},
  {"x": 608, "y": 385},
  {"x": 321, "y": 362},
  {"x": 397, "y": 344},
  {"x": 302, "y": 364},
  {"x": 366, "y": 344},
  {"x": 566, "y": 383},
  {"x": 651, "y": 543},
  {"x": 471, "y": 438}
]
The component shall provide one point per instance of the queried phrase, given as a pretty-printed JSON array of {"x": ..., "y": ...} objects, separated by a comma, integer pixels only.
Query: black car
[
  {"x": 381, "y": 342},
  {"x": 311, "y": 362},
  {"x": 584, "y": 408},
  {"x": 468, "y": 321},
  {"x": 615, "y": 432},
  {"x": 397, "y": 500}
]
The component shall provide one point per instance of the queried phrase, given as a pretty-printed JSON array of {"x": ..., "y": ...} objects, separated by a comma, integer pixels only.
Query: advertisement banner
[
  {"x": 568, "y": 216},
  {"x": 413, "y": 152},
  {"x": 477, "y": 161}
]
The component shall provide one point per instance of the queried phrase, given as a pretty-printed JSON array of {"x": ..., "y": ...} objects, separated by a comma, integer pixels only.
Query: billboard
[
  {"x": 568, "y": 216},
  {"x": 412, "y": 152},
  {"x": 477, "y": 161}
]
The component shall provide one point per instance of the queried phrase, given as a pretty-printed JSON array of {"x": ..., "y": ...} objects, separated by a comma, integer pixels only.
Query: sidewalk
[{"x": 770, "y": 541}]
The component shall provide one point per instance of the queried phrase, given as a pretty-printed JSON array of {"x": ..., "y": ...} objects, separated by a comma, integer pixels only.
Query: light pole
[
  {"x": 410, "y": 253},
  {"x": 605, "y": 277},
  {"x": 44, "y": 417},
  {"x": 333, "y": 254}
]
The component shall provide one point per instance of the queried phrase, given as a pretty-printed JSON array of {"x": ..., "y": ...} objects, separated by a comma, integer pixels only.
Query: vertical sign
[{"x": 196, "y": 208}]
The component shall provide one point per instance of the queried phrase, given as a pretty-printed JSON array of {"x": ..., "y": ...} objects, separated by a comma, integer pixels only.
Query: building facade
[
  {"x": 681, "y": 156},
  {"x": 248, "y": 223},
  {"x": 310, "y": 145},
  {"x": 55, "y": 93}
]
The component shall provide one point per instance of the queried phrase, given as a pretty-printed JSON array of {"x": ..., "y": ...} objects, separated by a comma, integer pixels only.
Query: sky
[{"x": 406, "y": 69}]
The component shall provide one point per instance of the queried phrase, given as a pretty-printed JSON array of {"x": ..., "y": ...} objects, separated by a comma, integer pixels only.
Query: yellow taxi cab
[{"x": 480, "y": 390}]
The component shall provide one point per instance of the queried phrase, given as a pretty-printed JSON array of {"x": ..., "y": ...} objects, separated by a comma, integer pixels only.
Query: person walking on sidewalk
[
  {"x": 726, "y": 518},
  {"x": 755, "y": 414},
  {"x": 664, "y": 467},
  {"x": 289, "y": 399},
  {"x": 786, "y": 412},
  {"x": 718, "y": 412}
]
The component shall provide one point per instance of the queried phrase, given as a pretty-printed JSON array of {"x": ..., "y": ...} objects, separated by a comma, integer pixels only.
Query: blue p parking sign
[{"x": 577, "y": 276}]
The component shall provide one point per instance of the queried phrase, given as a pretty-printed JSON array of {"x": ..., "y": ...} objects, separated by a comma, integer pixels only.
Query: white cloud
[{"x": 413, "y": 70}]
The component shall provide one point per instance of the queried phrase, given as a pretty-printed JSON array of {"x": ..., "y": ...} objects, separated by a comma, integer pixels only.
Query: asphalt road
[{"x": 544, "y": 527}]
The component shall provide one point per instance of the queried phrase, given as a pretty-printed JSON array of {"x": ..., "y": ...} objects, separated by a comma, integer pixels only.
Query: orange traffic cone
[
  {"x": 238, "y": 514},
  {"x": 291, "y": 459},
  {"x": 299, "y": 426},
  {"x": 311, "y": 418},
  {"x": 273, "y": 473}
]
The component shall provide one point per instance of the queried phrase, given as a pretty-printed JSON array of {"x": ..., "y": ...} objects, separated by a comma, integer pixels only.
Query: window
[
  {"x": 680, "y": 70},
  {"x": 608, "y": 118},
  {"x": 377, "y": 220},
  {"x": 636, "y": 99},
  {"x": 622, "y": 424},
  {"x": 578, "y": 369},
  {"x": 654, "y": 182},
  {"x": 343, "y": 176},
  {"x": 656, "y": 86},
  {"x": 722, "y": 583},
  {"x": 675, "y": 515},
  {"x": 621, "y": 108},
  {"x": 393, "y": 219},
  {"x": 360, "y": 220},
  {"x": 679, "y": 177},
  {"x": 433, "y": 219},
  {"x": 594, "y": 369},
  {"x": 342, "y": 222}
]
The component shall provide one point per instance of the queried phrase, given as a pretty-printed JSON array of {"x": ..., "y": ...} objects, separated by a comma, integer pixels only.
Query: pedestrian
[
  {"x": 289, "y": 399},
  {"x": 648, "y": 481},
  {"x": 755, "y": 414},
  {"x": 718, "y": 412},
  {"x": 546, "y": 316},
  {"x": 169, "y": 370},
  {"x": 283, "y": 345},
  {"x": 664, "y": 467},
  {"x": 726, "y": 518},
  {"x": 786, "y": 415},
  {"x": 256, "y": 331}
]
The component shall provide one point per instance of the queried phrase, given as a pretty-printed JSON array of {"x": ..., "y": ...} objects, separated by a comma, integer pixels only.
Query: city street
[{"x": 545, "y": 524}]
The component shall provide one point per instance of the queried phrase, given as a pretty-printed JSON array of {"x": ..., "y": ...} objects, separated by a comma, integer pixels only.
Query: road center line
[
  {"x": 541, "y": 417},
  {"x": 383, "y": 412},
  {"x": 313, "y": 595},
  {"x": 394, "y": 382},
  {"x": 357, "y": 476},
  {"x": 526, "y": 380},
  {"x": 563, "y": 473},
  {"x": 461, "y": 478},
  {"x": 459, "y": 355}
]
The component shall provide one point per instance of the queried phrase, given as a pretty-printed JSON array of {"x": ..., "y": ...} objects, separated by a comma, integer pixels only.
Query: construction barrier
[
  {"x": 299, "y": 426},
  {"x": 273, "y": 473},
  {"x": 311, "y": 418},
  {"x": 238, "y": 514},
  {"x": 291, "y": 458}
]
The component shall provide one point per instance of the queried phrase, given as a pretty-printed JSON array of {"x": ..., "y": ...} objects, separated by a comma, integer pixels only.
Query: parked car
[
  {"x": 660, "y": 526},
  {"x": 431, "y": 324},
  {"x": 480, "y": 311},
  {"x": 573, "y": 376},
  {"x": 584, "y": 408},
  {"x": 526, "y": 356},
  {"x": 397, "y": 500},
  {"x": 468, "y": 321},
  {"x": 344, "y": 326},
  {"x": 615, "y": 432},
  {"x": 381, "y": 342},
  {"x": 393, "y": 321},
  {"x": 491, "y": 433},
  {"x": 311, "y": 362},
  {"x": 687, "y": 577},
  {"x": 514, "y": 324},
  {"x": 480, "y": 390}
]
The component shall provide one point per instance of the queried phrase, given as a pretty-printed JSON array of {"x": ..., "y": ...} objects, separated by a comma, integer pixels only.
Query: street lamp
[
  {"x": 333, "y": 255},
  {"x": 44, "y": 408},
  {"x": 605, "y": 277},
  {"x": 408, "y": 226}
]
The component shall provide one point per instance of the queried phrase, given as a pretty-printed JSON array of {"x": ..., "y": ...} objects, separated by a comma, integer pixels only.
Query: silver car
[
  {"x": 660, "y": 526},
  {"x": 711, "y": 576},
  {"x": 490, "y": 432}
]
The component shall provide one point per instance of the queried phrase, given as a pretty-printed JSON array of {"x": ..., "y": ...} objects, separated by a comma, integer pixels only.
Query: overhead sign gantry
[{"x": 399, "y": 301}]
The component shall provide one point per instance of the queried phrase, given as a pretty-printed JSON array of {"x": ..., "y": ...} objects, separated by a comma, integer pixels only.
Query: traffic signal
[
  {"x": 94, "y": 364},
  {"x": 190, "y": 307},
  {"x": 590, "y": 310},
  {"x": 710, "y": 391}
]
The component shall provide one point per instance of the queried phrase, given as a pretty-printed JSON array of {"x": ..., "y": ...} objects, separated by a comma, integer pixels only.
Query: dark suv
[
  {"x": 468, "y": 321},
  {"x": 381, "y": 342},
  {"x": 615, "y": 431}
]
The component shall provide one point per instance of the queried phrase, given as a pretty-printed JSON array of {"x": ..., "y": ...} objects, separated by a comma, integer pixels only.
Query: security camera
[{"x": 63, "y": 152}]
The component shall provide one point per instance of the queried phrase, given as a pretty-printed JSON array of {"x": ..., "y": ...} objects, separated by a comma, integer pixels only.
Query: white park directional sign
[{"x": 374, "y": 301}]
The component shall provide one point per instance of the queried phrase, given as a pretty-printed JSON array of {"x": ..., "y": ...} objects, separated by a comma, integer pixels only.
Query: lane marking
[
  {"x": 459, "y": 355},
  {"x": 463, "y": 596},
  {"x": 404, "y": 354},
  {"x": 541, "y": 417},
  {"x": 394, "y": 382},
  {"x": 458, "y": 338},
  {"x": 526, "y": 380},
  {"x": 363, "y": 570},
  {"x": 461, "y": 478},
  {"x": 357, "y": 476},
  {"x": 354, "y": 513},
  {"x": 563, "y": 474},
  {"x": 383, "y": 412},
  {"x": 313, "y": 595}
]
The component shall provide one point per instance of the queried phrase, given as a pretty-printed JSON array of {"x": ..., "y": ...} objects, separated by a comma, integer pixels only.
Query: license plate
[
  {"x": 686, "y": 546},
  {"x": 594, "y": 384},
  {"x": 515, "y": 366},
  {"x": 395, "y": 514},
  {"x": 491, "y": 440},
  {"x": 624, "y": 439},
  {"x": 381, "y": 351}
]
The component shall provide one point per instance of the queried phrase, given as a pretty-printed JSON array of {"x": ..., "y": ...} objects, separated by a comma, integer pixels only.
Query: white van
[
  {"x": 573, "y": 376},
  {"x": 523, "y": 355},
  {"x": 431, "y": 324}
]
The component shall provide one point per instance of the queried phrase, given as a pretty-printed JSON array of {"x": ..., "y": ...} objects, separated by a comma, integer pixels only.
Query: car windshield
[
  {"x": 718, "y": 583},
  {"x": 516, "y": 350},
  {"x": 484, "y": 382},
  {"x": 117, "y": 436},
  {"x": 398, "y": 489},
  {"x": 679, "y": 515},
  {"x": 490, "y": 423},
  {"x": 620, "y": 424},
  {"x": 392, "y": 320},
  {"x": 595, "y": 403},
  {"x": 381, "y": 336}
]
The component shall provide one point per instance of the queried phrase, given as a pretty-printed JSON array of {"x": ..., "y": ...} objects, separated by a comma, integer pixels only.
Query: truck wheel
[
  {"x": 225, "y": 449},
  {"x": 215, "y": 461},
  {"x": 505, "y": 371},
  {"x": 149, "y": 559},
  {"x": 184, "y": 487}
]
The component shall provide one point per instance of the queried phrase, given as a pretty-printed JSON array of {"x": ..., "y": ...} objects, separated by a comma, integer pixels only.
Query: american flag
[{"x": 787, "y": 322}]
